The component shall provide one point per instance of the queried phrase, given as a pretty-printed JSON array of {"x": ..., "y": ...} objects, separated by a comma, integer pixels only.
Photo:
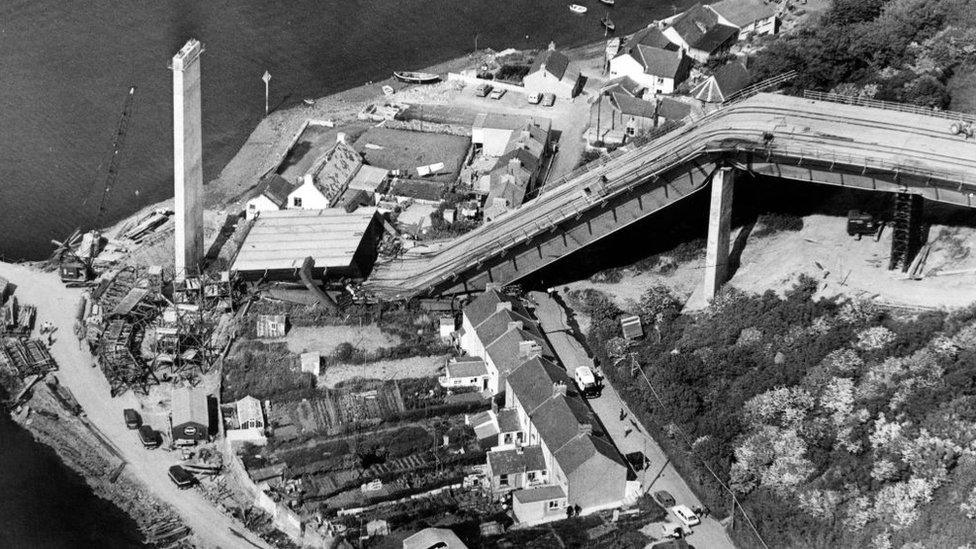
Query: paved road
[
  {"x": 57, "y": 304},
  {"x": 791, "y": 128},
  {"x": 659, "y": 474}
]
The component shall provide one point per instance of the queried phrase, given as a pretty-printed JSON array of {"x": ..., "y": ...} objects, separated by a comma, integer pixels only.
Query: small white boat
[
  {"x": 576, "y": 8},
  {"x": 412, "y": 77},
  {"x": 607, "y": 2},
  {"x": 308, "y": 102}
]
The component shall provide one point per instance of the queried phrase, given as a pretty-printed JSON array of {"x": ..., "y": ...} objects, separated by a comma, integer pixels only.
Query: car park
[
  {"x": 132, "y": 419},
  {"x": 664, "y": 498},
  {"x": 534, "y": 98},
  {"x": 685, "y": 515},
  {"x": 548, "y": 99},
  {"x": 181, "y": 477},
  {"x": 497, "y": 93},
  {"x": 149, "y": 437},
  {"x": 483, "y": 90}
]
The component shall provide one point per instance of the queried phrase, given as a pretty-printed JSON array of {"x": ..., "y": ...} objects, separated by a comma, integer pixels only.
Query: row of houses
[
  {"x": 547, "y": 449},
  {"x": 521, "y": 146}
]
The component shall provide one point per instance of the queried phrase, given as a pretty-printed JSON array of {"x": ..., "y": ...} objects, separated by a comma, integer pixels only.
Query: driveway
[
  {"x": 58, "y": 304},
  {"x": 628, "y": 435}
]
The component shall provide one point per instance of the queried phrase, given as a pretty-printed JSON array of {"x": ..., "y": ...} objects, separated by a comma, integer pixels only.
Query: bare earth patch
[
  {"x": 325, "y": 339},
  {"x": 414, "y": 367}
]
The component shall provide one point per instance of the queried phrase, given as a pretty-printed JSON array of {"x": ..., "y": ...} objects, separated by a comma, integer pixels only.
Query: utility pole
[
  {"x": 266, "y": 78},
  {"x": 476, "y": 42}
]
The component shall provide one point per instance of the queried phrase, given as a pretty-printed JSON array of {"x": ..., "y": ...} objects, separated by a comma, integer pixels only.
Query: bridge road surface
[
  {"x": 659, "y": 473},
  {"x": 891, "y": 142},
  {"x": 58, "y": 304}
]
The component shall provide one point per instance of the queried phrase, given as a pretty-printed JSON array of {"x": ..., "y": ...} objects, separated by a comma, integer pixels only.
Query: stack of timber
[
  {"x": 16, "y": 320},
  {"x": 166, "y": 533},
  {"x": 28, "y": 358}
]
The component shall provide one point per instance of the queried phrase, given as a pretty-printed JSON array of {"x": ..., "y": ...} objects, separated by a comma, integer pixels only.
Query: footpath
[
  {"x": 627, "y": 433},
  {"x": 57, "y": 305}
]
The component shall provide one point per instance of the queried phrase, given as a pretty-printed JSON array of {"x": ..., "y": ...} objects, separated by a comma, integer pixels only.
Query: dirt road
[
  {"x": 659, "y": 474},
  {"x": 57, "y": 304}
]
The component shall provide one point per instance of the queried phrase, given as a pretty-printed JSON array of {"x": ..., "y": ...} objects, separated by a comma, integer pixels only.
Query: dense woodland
[
  {"x": 834, "y": 423},
  {"x": 915, "y": 51}
]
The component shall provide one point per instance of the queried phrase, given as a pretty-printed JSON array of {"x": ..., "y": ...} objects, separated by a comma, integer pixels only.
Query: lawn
[{"x": 407, "y": 150}]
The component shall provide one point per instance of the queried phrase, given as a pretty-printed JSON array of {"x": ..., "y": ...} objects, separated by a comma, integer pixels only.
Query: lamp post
[
  {"x": 267, "y": 78},
  {"x": 476, "y": 42}
]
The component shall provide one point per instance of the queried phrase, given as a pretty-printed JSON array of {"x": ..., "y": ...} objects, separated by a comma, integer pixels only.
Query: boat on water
[
  {"x": 608, "y": 2},
  {"x": 576, "y": 8},
  {"x": 606, "y": 22},
  {"x": 412, "y": 77}
]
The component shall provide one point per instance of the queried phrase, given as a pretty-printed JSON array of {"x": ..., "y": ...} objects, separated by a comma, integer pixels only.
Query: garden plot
[
  {"x": 333, "y": 410},
  {"x": 325, "y": 339}
]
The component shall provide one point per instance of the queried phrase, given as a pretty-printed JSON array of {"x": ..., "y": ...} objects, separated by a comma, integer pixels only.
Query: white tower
[{"x": 187, "y": 159}]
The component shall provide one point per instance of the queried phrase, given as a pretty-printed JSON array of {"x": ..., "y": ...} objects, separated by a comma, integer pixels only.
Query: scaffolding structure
[
  {"x": 906, "y": 237},
  {"x": 122, "y": 367}
]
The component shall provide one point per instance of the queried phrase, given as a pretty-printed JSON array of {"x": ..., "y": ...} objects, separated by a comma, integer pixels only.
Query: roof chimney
[
  {"x": 529, "y": 349},
  {"x": 586, "y": 428},
  {"x": 552, "y": 46},
  {"x": 503, "y": 306},
  {"x": 515, "y": 324},
  {"x": 558, "y": 388},
  {"x": 309, "y": 179},
  {"x": 341, "y": 137},
  {"x": 513, "y": 165}
]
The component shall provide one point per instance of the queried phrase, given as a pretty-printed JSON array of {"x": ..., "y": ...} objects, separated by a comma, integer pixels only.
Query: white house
[
  {"x": 553, "y": 72},
  {"x": 699, "y": 33},
  {"x": 657, "y": 70},
  {"x": 751, "y": 17},
  {"x": 271, "y": 194},
  {"x": 327, "y": 179}
]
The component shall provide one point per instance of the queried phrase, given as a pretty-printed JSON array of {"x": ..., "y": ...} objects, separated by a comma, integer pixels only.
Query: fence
[
  {"x": 753, "y": 89},
  {"x": 888, "y": 105}
]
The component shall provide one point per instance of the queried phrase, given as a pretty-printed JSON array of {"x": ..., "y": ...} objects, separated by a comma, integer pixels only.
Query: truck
[{"x": 586, "y": 381}]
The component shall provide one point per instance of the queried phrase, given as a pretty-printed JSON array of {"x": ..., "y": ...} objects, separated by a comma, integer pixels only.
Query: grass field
[{"x": 406, "y": 150}]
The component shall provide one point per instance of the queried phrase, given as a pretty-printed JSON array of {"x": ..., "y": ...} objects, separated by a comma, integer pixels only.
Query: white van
[
  {"x": 685, "y": 515},
  {"x": 587, "y": 383}
]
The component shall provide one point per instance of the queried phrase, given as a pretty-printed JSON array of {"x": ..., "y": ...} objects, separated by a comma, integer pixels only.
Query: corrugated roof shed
[
  {"x": 283, "y": 239},
  {"x": 189, "y": 405}
]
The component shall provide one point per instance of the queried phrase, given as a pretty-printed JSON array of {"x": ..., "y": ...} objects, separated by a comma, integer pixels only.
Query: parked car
[
  {"x": 497, "y": 93},
  {"x": 181, "y": 477},
  {"x": 548, "y": 99},
  {"x": 664, "y": 498},
  {"x": 149, "y": 437},
  {"x": 685, "y": 515},
  {"x": 132, "y": 419},
  {"x": 483, "y": 90},
  {"x": 534, "y": 98}
]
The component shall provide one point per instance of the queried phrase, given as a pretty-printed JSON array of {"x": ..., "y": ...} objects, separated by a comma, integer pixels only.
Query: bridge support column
[{"x": 719, "y": 228}]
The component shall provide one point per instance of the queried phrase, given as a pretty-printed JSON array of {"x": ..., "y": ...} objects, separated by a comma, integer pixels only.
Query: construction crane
[{"x": 75, "y": 265}]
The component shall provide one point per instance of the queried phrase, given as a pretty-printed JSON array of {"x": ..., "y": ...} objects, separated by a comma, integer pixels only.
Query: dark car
[
  {"x": 483, "y": 90},
  {"x": 665, "y": 499},
  {"x": 149, "y": 436},
  {"x": 181, "y": 477},
  {"x": 132, "y": 419}
]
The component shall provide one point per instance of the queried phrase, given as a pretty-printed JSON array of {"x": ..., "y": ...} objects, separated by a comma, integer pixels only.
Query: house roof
[
  {"x": 507, "y": 462},
  {"x": 466, "y": 366},
  {"x": 559, "y": 419},
  {"x": 581, "y": 448},
  {"x": 368, "y": 178},
  {"x": 275, "y": 188},
  {"x": 334, "y": 170},
  {"x": 744, "y": 12},
  {"x": 726, "y": 80},
  {"x": 504, "y": 351},
  {"x": 486, "y": 304},
  {"x": 532, "y": 382},
  {"x": 249, "y": 408},
  {"x": 699, "y": 28},
  {"x": 622, "y": 83},
  {"x": 497, "y": 324},
  {"x": 508, "y": 421},
  {"x": 442, "y": 538},
  {"x": 190, "y": 405},
  {"x": 670, "y": 109},
  {"x": 660, "y": 62},
  {"x": 648, "y": 36},
  {"x": 629, "y": 105},
  {"x": 552, "y": 61},
  {"x": 542, "y": 493}
]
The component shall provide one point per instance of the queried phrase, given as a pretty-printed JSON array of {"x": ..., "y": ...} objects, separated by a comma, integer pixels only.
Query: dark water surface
[{"x": 65, "y": 68}]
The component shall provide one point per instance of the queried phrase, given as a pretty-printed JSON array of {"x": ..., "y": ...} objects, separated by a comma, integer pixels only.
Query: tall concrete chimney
[{"x": 187, "y": 159}]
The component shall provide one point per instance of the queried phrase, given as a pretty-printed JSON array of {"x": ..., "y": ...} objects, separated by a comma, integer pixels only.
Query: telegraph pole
[{"x": 266, "y": 78}]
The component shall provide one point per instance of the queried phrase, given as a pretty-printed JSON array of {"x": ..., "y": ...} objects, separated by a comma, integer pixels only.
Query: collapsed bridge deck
[{"x": 783, "y": 136}]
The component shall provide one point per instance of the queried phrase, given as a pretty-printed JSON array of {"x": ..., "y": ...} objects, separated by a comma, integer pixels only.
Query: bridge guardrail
[{"x": 887, "y": 105}]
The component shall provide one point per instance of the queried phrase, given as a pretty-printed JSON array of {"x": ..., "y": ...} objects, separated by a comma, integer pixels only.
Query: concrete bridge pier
[{"x": 719, "y": 229}]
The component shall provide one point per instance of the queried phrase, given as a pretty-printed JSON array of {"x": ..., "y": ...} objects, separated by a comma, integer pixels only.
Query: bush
[
  {"x": 512, "y": 73},
  {"x": 772, "y": 223}
]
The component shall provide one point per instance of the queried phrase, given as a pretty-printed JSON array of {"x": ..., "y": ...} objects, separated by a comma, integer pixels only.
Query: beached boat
[
  {"x": 308, "y": 102},
  {"x": 416, "y": 77},
  {"x": 607, "y": 2},
  {"x": 576, "y": 8},
  {"x": 606, "y": 22}
]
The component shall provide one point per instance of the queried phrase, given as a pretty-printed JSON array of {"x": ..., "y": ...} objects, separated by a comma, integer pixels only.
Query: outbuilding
[{"x": 190, "y": 416}]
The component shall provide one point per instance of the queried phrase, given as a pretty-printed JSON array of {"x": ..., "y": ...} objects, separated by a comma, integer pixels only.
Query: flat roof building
[{"x": 342, "y": 243}]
